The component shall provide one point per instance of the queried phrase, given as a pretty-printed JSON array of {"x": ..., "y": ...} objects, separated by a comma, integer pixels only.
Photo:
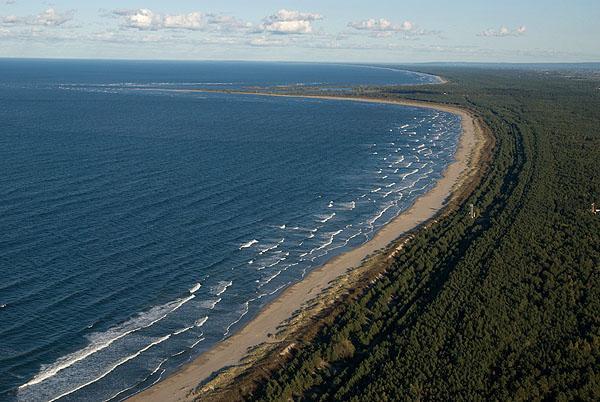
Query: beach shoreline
[{"x": 180, "y": 385}]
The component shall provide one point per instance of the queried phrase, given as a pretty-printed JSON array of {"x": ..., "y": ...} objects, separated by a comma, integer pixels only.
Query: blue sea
[{"x": 141, "y": 225}]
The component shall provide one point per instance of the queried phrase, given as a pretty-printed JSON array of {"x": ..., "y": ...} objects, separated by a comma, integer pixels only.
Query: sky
[{"x": 398, "y": 31}]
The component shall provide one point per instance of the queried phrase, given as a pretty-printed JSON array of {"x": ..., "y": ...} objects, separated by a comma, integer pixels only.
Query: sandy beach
[{"x": 179, "y": 385}]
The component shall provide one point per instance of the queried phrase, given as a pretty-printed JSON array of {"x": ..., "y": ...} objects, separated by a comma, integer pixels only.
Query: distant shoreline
[{"x": 181, "y": 384}]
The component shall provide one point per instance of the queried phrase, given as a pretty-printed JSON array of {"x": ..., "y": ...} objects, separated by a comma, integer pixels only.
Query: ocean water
[{"x": 139, "y": 226}]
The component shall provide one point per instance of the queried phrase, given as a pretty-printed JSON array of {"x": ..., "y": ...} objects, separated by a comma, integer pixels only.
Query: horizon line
[{"x": 300, "y": 61}]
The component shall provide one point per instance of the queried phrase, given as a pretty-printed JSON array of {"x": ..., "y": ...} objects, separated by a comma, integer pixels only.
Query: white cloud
[
  {"x": 142, "y": 19},
  {"x": 290, "y": 22},
  {"x": 383, "y": 28},
  {"x": 264, "y": 41},
  {"x": 289, "y": 27},
  {"x": 503, "y": 32},
  {"x": 227, "y": 22},
  {"x": 289, "y": 15},
  {"x": 381, "y": 25},
  {"x": 193, "y": 21},
  {"x": 11, "y": 20},
  {"x": 146, "y": 20},
  {"x": 49, "y": 18}
]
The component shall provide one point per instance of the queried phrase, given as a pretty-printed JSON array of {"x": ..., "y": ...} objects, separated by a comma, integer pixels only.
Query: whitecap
[
  {"x": 193, "y": 345},
  {"x": 221, "y": 287},
  {"x": 325, "y": 218},
  {"x": 404, "y": 176},
  {"x": 248, "y": 244},
  {"x": 102, "y": 340},
  {"x": 380, "y": 214},
  {"x": 119, "y": 363},
  {"x": 181, "y": 331},
  {"x": 347, "y": 205},
  {"x": 328, "y": 242},
  {"x": 210, "y": 304},
  {"x": 200, "y": 322},
  {"x": 273, "y": 247},
  {"x": 270, "y": 278},
  {"x": 244, "y": 312}
]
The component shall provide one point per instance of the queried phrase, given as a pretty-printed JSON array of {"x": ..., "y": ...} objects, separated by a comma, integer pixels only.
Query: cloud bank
[
  {"x": 290, "y": 22},
  {"x": 48, "y": 18},
  {"x": 503, "y": 32},
  {"x": 146, "y": 20}
]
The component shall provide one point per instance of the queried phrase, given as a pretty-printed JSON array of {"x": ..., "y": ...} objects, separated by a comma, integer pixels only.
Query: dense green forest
[{"x": 502, "y": 307}]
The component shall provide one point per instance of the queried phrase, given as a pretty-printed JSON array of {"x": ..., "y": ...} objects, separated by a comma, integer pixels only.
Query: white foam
[
  {"x": 279, "y": 260},
  {"x": 196, "y": 343},
  {"x": 326, "y": 218},
  {"x": 273, "y": 247},
  {"x": 279, "y": 288},
  {"x": 144, "y": 380},
  {"x": 378, "y": 189},
  {"x": 102, "y": 340},
  {"x": 328, "y": 242},
  {"x": 181, "y": 331},
  {"x": 248, "y": 244},
  {"x": 380, "y": 214},
  {"x": 244, "y": 312},
  {"x": 201, "y": 321},
  {"x": 404, "y": 176},
  {"x": 270, "y": 278},
  {"x": 221, "y": 287},
  {"x": 119, "y": 363},
  {"x": 347, "y": 205},
  {"x": 210, "y": 304},
  {"x": 195, "y": 288}
]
